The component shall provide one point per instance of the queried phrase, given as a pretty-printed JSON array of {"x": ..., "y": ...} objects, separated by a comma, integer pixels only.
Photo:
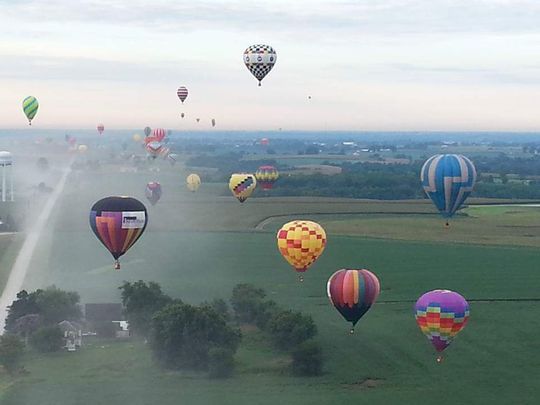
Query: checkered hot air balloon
[
  {"x": 118, "y": 222},
  {"x": 441, "y": 315},
  {"x": 266, "y": 176},
  {"x": 242, "y": 185},
  {"x": 448, "y": 180},
  {"x": 30, "y": 108},
  {"x": 301, "y": 243},
  {"x": 353, "y": 292},
  {"x": 260, "y": 59},
  {"x": 182, "y": 93},
  {"x": 153, "y": 192}
]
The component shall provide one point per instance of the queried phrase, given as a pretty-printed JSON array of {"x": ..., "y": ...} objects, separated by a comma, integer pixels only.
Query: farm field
[{"x": 198, "y": 246}]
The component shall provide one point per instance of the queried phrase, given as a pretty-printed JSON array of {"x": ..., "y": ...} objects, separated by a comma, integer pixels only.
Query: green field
[{"x": 198, "y": 246}]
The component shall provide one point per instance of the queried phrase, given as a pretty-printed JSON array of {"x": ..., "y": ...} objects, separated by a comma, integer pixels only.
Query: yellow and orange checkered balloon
[{"x": 301, "y": 243}]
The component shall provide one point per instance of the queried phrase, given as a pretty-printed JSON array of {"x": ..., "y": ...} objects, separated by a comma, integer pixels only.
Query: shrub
[
  {"x": 307, "y": 359},
  {"x": 245, "y": 301},
  {"x": 11, "y": 352},
  {"x": 47, "y": 339},
  {"x": 290, "y": 328},
  {"x": 220, "y": 362}
]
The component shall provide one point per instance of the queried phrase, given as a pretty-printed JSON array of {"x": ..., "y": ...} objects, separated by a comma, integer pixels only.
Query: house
[
  {"x": 72, "y": 335},
  {"x": 107, "y": 319}
]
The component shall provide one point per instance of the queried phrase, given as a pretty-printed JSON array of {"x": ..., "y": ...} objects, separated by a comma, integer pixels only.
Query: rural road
[{"x": 22, "y": 262}]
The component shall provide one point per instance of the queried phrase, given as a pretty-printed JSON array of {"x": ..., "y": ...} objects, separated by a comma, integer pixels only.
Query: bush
[
  {"x": 290, "y": 328},
  {"x": 307, "y": 359},
  {"x": 11, "y": 352},
  {"x": 47, "y": 339},
  {"x": 264, "y": 312},
  {"x": 220, "y": 362},
  {"x": 245, "y": 301}
]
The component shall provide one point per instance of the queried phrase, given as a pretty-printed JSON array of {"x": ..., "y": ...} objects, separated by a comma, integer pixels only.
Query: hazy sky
[{"x": 368, "y": 64}]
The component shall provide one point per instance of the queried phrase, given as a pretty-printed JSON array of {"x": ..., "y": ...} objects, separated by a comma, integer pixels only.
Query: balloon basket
[
  {"x": 300, "y": 278},
  {"x": 447, "y": 225},
  {"x": 351, "y": 332},
  {"x": 439, "y": 359},
  {"x": 117, "y": 265}
]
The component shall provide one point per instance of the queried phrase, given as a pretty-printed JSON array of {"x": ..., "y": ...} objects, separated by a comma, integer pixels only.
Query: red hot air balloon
[
  {"x": 118, "y": 222},
  {"x": 182, "y": 93},
  {"x": 159, "y": 134},
  {"x": 100, "y": 128},
  {"x": 153, "y": 192},
  {"x": 265, "y": 141},
  {"x": 266, "y": 176},
  {"x": 353, "y": 292}
]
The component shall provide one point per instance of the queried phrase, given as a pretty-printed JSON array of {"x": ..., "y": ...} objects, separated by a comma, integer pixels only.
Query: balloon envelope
[
  {"x": 266, "y": 176},
  {"x": 353, "y": 292},
  {"x": 100, "y": 128},
  {"x": 193, "y": 182},
  {"x": 118, "y": 222},
  {"x": 260, "y": 59},
  {"x": 30, "y": 108},
  {"x": 301, "y": 243},
  {"x": 242, "y": 185},
  {"x": 440, "y": 315},
  {"x": 159, "y": 134},
  {"x": 448, "y": 180},
  {"x": 147, "y": 131},
  {"x": 182, "y": 93},
  {"x": 153, "y": 192}
]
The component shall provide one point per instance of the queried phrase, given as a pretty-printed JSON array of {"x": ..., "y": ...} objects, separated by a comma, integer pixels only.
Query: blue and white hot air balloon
[{"x": 448, "y": 180}]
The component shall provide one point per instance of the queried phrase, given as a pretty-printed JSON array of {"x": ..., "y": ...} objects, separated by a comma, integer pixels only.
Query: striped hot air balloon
[
  {"x": 100, "y": 128},
  {"x": 242, "y": 185},
  {"x": 353, "y": 292},
  {"x": 448, "y": 180},
  {"x": 266, "y": 176},
  {"x": 182, "y": 93},
  {"x": 441, "y": 315},
  {"x": 118, "y": 222},
  {"x": 30, "y": 108},
  {"x": 301, "y": 243},
  {"x": 159, "y": 134}
]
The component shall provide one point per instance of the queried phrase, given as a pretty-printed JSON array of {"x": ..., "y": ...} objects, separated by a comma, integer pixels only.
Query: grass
[{"x": 190, "y": 250}]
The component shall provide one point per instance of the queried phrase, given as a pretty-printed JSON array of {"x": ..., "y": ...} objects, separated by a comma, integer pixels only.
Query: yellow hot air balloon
[
  {"x": 242, "y": 185},
  {"x": 137, "y": 138},
  {"x": 193, "y": 182},
  {"x": 82, "y": 148},
  {"x": 301, "y": 242}
]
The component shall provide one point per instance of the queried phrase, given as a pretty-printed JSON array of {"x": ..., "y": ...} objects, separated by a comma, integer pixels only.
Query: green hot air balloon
[{"x": 30, "y": 108}]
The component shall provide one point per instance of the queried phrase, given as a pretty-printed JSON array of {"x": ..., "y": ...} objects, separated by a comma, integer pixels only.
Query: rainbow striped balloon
[
  {"x": 30, "y": 108},
  {"x": 353, "y": 292},
  {"x": 448, "y": 180},
  {"x": 441, "y": 315}
]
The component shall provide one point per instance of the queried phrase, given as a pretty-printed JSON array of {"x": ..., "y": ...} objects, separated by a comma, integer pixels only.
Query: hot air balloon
[
  {"x": 153, "y": 192},
  {"x": 100, "y": 128},
  {"x": 260, "y": 59},
  {"x": 182, "y": 93},
  {"x": 118, "y": 222},
  {"x": 82, "y": 148},
  {"x": 193, "y": 182},
  {"x": 301, "y": 242},
  {"x": 265, "y": 141},
  {"x": 182, "y": 115},
  {"x": 147, "y": 131},
  {"x": 266, "y": 176},
  {"x": 158, "y": 134},
  {"x": 213, "y": 122},
  {"x": 197, "y": 119},
  {"x": 242, "y": 185},
  {"x": 440, "y": 315},
  {"x": 30, "y": 108},
  {"x": 353, "y": 292},
  {"x": 137, "y": 138},
  {"x": 448, "y": 180}
]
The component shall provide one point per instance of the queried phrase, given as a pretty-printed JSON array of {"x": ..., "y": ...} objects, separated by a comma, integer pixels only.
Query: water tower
[{"x": 6, "y": 163}]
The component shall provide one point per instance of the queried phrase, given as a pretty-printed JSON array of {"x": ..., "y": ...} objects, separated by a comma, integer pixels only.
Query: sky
[{"x": 439, "y": 65}]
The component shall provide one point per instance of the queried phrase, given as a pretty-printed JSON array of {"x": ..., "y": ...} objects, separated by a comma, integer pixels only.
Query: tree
[
  {"x": 141, "y": 301},
  {"x": 289, "y": 329},
  {"x": 245, "y": 301},
  {"x": 51, "y": 304},
  {"x": 264, "y": 312},
  {"x": 26, "y": 325},
  {"x": 220, "y": 306},
  {"x": 307, "y": 359},
  {"x": 182, "y": 336},
  {"x": 11, "y": 352},
  {"x": 47, "y": 339},
  {"x": 220, "y": 362}
]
